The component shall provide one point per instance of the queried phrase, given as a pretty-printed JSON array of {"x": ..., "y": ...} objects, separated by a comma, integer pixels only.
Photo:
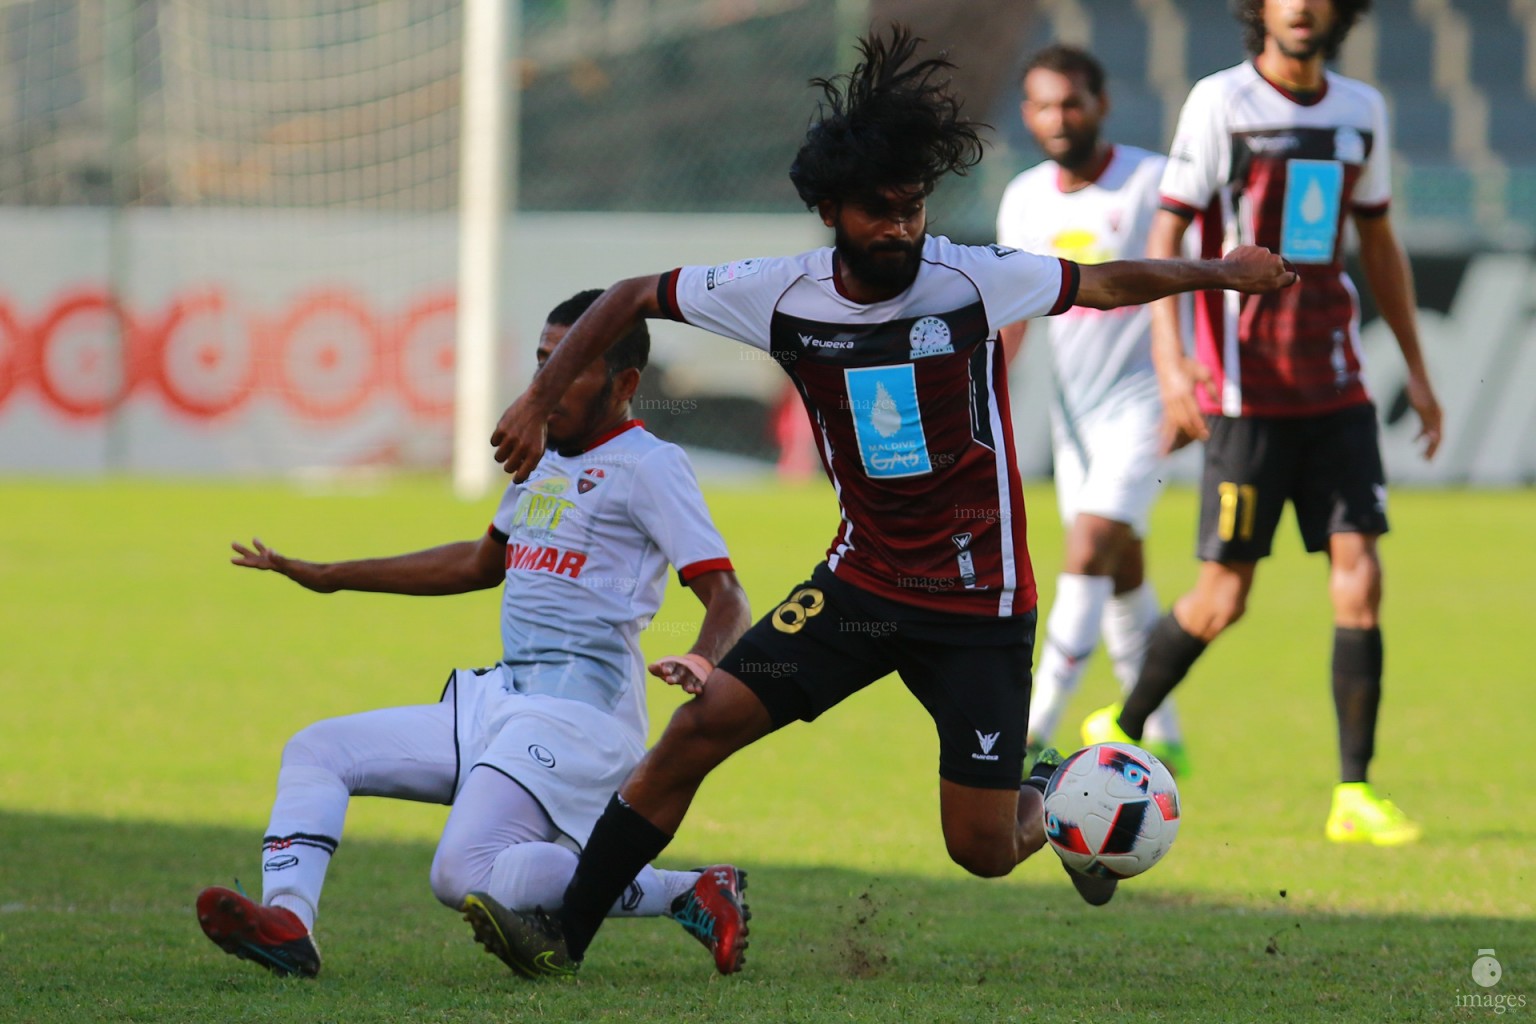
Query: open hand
[
  {"x": 258, "y": 556},
  {"x": 1422, "y": 397},
  {"x": 308, "y": 575},
  {"x": 1183, "y": 422},
  {"x": 690, "y": 671}
]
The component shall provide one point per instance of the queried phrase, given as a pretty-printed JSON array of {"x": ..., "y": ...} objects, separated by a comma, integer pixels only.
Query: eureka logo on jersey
[{"x": 887, "y": 421}]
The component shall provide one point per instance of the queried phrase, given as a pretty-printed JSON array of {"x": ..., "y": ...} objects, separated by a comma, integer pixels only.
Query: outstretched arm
[
  {"x": 726, "y": 616},
  {"x": 450, "y": 569},
  {"x": 1391, "y": 280},
  {"x": 1248, "y": 268},
  {"x": 519, "y": 435}
]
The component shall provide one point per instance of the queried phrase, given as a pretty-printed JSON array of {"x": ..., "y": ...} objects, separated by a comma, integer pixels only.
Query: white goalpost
[{"x": 487, "y": 183}]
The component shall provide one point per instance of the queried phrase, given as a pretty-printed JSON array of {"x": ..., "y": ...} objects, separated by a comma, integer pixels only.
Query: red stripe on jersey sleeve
[
  {"x": 1071, "y": 277},
  {"x": 1177, "y": 207},
  {"x": 496, "y": 535},
  {"x": 1371, "y": 210},
  {"x": 688, "y": 573},
  {"x": 666, "y": 296}
]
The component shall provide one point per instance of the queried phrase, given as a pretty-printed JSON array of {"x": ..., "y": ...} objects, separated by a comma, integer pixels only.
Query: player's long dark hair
[
  {"x": 1345, "y": 12},
  {"x": 884, "y": 124}
]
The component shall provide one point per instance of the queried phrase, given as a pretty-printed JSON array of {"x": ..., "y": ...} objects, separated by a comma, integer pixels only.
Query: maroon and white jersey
[
  {"x": 909, "y": 402},
  {"x": 1258, "y": 165}
]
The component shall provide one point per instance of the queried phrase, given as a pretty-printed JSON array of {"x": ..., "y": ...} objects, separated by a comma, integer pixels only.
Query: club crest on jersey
[
  {"x": 930, "y": 337},
  {"x": 1349, "y": 146},
  {"x": 589, "y": 479},
  {"x": 887, "y": 420},
  {"x": 725, "y": 273}
]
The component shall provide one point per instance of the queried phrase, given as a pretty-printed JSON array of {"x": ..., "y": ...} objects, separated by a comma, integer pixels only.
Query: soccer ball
[{"x": 1111, "y": 810}]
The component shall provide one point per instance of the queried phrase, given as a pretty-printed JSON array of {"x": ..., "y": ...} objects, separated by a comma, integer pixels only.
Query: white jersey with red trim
[
  {"x": 909, "y": 402},
  {"x": 588, "y": 540},
  {"x": 1259, "y": 165},
  {"x": 1101, "y": 356}
]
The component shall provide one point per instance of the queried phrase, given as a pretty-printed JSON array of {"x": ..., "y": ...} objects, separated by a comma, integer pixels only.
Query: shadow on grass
[{"x": 96, "y": 923}]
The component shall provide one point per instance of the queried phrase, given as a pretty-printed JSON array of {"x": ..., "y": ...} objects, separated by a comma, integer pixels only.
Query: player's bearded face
[
  {"x": 883, "y": 264},
  {"x": 880, "y": 241}
]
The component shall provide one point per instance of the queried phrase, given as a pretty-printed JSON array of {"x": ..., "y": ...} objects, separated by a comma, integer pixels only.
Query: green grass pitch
[{"x": 146, "y": 689}]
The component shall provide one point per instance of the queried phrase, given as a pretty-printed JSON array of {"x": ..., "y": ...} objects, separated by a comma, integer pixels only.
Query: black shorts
[
  {"x": 829, "y": 639},
  {"x": 1328, "y": 466}
]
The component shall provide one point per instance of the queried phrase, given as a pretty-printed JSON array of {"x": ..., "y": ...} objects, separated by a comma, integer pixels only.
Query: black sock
[
  {"x": 1170, "y": 653},
  {"x": 1040, "y": 776},
  {"x": 1357, "y": 661},
  {"x": 622, "y": 843}
]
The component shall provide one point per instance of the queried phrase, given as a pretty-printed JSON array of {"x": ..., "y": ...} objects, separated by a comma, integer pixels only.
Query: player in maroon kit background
[
  {"x": 1276, "y": 152},
  {"x": 890, "y": 338}
]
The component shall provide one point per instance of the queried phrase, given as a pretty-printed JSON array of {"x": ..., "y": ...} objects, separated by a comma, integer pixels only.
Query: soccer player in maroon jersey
[
  {"x": 1275, "y": 152},
  {"x": 890, "y": 337}
]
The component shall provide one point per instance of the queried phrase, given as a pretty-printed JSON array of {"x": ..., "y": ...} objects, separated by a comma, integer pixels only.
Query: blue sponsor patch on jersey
[
  {"x": 1313, "y": 192},
  {"x": 888, "y": 421}
]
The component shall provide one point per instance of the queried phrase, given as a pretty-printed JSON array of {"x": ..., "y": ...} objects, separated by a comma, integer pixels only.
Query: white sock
[
  {"x": 1071, "y": 634},
  {"x": 306, "y": 823},
  {"x": 526, "y": 876},
  {"x": 1128, "y": 622}
]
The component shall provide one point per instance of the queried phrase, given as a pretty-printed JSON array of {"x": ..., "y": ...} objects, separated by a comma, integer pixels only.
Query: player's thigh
[
  {"x": 492, "y": 812},
  {"x": 403, "y": 752},
  {"x": 1124, "y": 472},
  {"x": 1341, "y": 483},
  {"x": 1249, "y": 468},
  {"x": 978, "y": 698},
  {"x": 814, "y": 649}
]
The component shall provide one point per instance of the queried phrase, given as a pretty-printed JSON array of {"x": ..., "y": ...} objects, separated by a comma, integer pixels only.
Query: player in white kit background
[
  {"x": 528, "y": 750},
  {"x": 1091, "y": 202}
]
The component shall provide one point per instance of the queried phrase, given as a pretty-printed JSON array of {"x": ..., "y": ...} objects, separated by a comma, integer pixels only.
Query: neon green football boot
[
  {"x": 1360, "y": 816},
  {"x": 1171, "y": 753},
  {"x": 1103, "y": 726}
]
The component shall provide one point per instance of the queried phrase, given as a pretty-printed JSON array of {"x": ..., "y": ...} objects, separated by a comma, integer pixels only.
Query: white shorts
[
  {"x": 1107, "y": 463},
  {"x": 571, "y": 756}
]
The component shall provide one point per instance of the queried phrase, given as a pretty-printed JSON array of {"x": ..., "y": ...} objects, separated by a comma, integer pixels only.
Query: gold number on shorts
[
  {"x": 1238, "y": 506},
  {"x": 790, "y": 616}
]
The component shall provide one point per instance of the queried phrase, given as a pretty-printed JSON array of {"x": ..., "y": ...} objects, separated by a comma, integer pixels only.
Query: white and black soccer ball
[{"x": 1111, "y": 810}]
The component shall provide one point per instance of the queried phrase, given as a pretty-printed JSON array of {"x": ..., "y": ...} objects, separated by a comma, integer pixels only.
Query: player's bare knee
[
  {"x": 982, "y": 856},
  {"x": 698, "y": 735}
]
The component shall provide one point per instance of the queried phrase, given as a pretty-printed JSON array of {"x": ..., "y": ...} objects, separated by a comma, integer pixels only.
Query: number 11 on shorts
[{"x": 1238, "y": 503}]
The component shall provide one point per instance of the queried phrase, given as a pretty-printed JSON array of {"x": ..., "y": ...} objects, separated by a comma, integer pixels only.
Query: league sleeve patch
[
  {"x": 1001, "y": 251},
  {"x": 725, "y": 273}
]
